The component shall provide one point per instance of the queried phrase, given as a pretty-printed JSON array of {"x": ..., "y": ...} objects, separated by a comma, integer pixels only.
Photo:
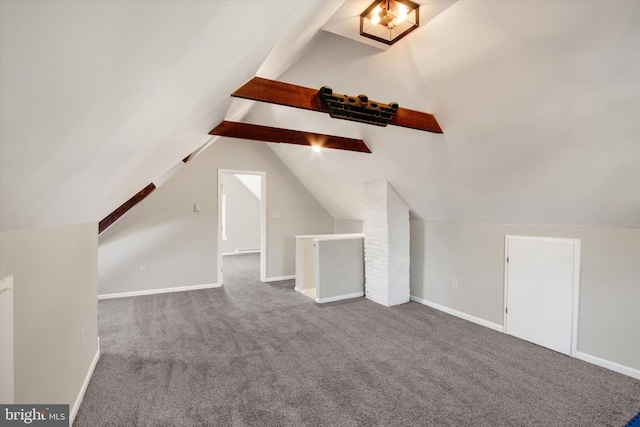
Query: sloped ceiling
[
  {"x": 539, "y": 102},
  {"x": 100, "y": 98}
]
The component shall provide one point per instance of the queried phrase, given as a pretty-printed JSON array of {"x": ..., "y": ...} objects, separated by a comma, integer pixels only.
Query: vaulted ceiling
[{"x": 539, "y": 102}]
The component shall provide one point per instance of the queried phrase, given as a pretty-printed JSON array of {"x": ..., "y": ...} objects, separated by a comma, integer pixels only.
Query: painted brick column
[{"x": 386, "y": 245}]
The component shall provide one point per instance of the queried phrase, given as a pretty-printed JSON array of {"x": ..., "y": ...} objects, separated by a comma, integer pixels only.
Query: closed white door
[{"x": 542, "y": 279}]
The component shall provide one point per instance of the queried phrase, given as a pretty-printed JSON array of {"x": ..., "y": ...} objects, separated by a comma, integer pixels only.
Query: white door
[{"x": 541, "y": 292}]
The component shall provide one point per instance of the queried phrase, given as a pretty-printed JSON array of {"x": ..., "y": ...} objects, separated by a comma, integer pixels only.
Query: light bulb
[
  {"x": 375, "y": 15},
  {"x": 402, "y": 12},
  {"x": 316, "y": 148}
]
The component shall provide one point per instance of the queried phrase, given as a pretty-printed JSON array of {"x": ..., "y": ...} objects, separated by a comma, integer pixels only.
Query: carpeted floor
[{"x": 260, "y": 354}]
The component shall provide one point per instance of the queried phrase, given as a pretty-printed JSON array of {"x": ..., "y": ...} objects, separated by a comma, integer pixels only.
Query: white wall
[
  {"x": 346, "y": 226},
  {"x": 609, "y": 325},
  {"x": 55, "y": 273},
  {"x": 179, "y": 246},
  {"x": 243, "y": 216}
]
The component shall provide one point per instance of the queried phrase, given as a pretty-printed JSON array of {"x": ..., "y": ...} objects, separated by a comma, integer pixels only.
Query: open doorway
[{"x": 241, "y": 216}]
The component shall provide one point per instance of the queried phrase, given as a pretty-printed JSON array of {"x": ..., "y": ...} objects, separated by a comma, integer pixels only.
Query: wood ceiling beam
[
  {"x": 125, "y": 207},
  {"x": 274, "y": 92},
  {"x": 288, "y": 136}
]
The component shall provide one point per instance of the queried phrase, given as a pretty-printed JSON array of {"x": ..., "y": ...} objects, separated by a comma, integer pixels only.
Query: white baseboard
[
  {"x": 158, "y": 291},
  {"x": 339, "y": 297},
  {"x": 459, "y": 314},
  {"x": 616, "y": 367},
  {"x": 76, "y": 405},
  {"x": 280, "y": 278}
]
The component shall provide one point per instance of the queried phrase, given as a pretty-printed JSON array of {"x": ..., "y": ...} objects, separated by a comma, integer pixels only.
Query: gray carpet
[{"x": 257, "y": 354}]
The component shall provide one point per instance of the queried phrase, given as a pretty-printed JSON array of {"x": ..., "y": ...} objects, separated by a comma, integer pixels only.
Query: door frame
[
  {"x": 577, "y": 255},
  {"x": 263, "y": 220}
]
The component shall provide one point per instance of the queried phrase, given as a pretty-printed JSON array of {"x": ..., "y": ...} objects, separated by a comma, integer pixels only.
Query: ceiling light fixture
[
  {"x": 387, "y": 21},
  {"x": 316, "y": 148}
]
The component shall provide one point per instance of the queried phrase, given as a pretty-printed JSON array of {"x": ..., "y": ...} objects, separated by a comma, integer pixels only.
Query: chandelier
[{"x": 387, "y": 21}]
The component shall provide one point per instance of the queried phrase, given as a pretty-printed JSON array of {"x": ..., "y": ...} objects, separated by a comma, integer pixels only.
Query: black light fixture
[
  {"x": 357, "y": 108},
  {"x": 387, "y": 21}
]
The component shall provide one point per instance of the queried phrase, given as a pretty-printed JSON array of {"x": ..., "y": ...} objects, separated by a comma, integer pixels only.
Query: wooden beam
[
  {"x": 288, "y": 136},
  {"x": 274, "y": 92},
  {"x": 124, "y": 208},
  {"x": 416, "y": 120}
]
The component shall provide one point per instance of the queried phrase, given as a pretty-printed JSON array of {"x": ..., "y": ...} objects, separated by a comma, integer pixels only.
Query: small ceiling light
[
  {"x": 387, "y": 21},
  {"x": 316, "y": 148}
]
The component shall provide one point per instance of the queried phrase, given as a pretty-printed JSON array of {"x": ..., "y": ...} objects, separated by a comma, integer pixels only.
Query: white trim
[
  {"x": 577, "y": 259},
  {"x": 219, "y": 237},
  {"x": 505, "y": 288},
  {"x": 339, "y": 297},
  {"x": 316, "y": 237},
  {"x": 158, "y": 291},
  {"x": 263, "y": 226},
  {"x": 263, "y": 221},
  {"x": 242, "y": 252},
  {"x": 616, "y": 367},
  {"x": 465, "y": 316},
  {"x": 223, "y": 209},
  {"x": 577, "y": 256},
  {"x": 613, "y": 366},
  {"x": 76, "y": 405},
  {"x": 278, "y": 279}
]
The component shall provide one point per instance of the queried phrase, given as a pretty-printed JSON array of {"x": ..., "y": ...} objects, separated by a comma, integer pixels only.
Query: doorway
[
  {"x": 542, "y": 284},
  {"x": 242, "y": 201}
]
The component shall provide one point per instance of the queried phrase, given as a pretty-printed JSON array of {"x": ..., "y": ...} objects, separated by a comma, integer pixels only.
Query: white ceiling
[
  {"x": 539, "y": 102},
  {"x": 100, "y": 98}
]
